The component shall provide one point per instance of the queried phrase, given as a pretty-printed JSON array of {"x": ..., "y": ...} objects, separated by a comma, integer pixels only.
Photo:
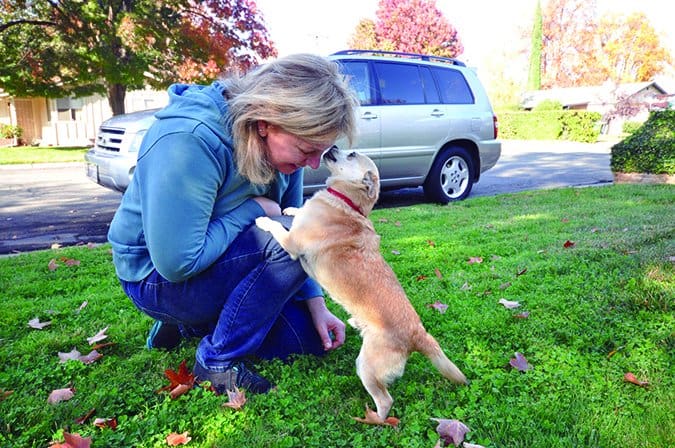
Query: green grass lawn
[
  {"x": 37, "y": 154},
  {"x": 599, "y": 308}
]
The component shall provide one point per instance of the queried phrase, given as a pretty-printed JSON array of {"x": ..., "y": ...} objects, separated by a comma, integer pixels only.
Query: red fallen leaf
[
  {"x": 35, "y": 323},
  {"x": 431, "y": 243},
  {"x": 98, "y": 336},
  {"x": 568, "y": 244},
  {"x": 520, "y": 363},
  {"x": 52, "y": 266},
  {"x": 182, "y": 377},
  {"x": 438, "y": 273},
  {"x": 630, "y": 378},
  {"x": 451, "y": 431},
  {"x": 70, "y": 261},
  {"x": 236, "y": 398},
  {"x": 421, "y": 278},
  {"x": 475, "y": 260},
  {"x": 106, "y": 423},
  {"x": 5, "y": 393},
  {"x": 59, "y": 395},
  {"x": 523, "y": 315},
  {"x": 510, "y": 304},
  {"x": 82, "y": 420},
  {"x": 73, "y": 441},
  {"x": 175, "y": 439},
  {"x": 179, "y": 390},
  {"x": 440, "y": 307},
  {"x": 372, "y": 418},
  {"x": 103, "y": 345}
]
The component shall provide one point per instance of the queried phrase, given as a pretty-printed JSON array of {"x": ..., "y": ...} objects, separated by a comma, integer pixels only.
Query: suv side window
[
  {"x": 399, "y": 83},
  {"x": 430, "y": 90},
  {"x": 356, "y": 74},
  {"x": 454, "y": 88}
]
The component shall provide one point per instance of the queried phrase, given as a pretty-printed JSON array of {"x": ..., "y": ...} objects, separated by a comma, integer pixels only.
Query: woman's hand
[
  {"x": 326, "y": 324},
  {"x": 270, "y": 207}
]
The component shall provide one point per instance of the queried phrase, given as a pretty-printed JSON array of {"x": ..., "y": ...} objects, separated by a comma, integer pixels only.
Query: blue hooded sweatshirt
[{"x": 187, "y": 201}]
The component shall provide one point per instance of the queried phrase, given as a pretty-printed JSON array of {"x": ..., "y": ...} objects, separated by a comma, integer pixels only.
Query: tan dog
[{"x": 338, "y": 247}]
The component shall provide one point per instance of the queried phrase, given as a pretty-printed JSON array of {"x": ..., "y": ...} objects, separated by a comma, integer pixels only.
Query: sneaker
[
  {"x": 236, "y": 375},
  {"x": 163, "y": 335}
]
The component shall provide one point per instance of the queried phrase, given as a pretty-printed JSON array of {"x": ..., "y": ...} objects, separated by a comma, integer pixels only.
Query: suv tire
[{"x": 451, "y": 176}]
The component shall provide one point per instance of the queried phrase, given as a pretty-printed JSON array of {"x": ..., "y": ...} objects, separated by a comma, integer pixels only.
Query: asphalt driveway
[{"x": 45, "y": 204}]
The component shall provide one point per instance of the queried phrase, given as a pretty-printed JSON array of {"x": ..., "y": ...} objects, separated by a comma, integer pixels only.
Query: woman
[{"x": 185, "y": 246}]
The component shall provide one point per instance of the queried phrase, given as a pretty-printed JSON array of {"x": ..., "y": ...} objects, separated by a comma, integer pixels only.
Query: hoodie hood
[{"x": 202, "y": 103}]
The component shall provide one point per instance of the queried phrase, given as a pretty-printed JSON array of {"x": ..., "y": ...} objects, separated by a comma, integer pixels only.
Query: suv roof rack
[{"x": 399, "y": 54}]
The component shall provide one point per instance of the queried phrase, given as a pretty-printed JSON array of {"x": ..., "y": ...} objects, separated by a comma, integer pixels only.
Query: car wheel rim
[{"x": 455, "y": 177}]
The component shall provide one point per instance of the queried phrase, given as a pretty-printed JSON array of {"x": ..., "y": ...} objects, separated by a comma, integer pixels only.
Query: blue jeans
[{"x": 246, "y": 304}]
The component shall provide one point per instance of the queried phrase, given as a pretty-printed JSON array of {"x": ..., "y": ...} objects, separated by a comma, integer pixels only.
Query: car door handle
[
  {"x": 368, "y": 116},
  {"x": 437, "y": 113}
]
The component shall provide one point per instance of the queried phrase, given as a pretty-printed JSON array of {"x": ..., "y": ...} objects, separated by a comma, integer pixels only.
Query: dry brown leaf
[
  {"x": 438, "y": 273},
  {"x": 106, "y": 423},
  {"x": 631, "y": 378},
  {"x": 59, "y": 395},
  {"x": 98, "y": 336},
  {"x": 372, "y": 418},
  {"x": 475, "y": 260},
  {"x": 236, "y": 398},
  {"x": 52, "y": 266},
  {"x": 439, "y": 306},
  {"x": 510, "y": 304},
  {"x": 520, "y": 362},
  {"x": 5, "y": 393},
  {"x": 35, "y": 323},
  {"x": 72, "y": 441},
  {"x": 179, "y": 390},
  {"x": 175, "y": 439},
  {"x": 83, "y": 419},
  {"x": 451, "y": 431}
]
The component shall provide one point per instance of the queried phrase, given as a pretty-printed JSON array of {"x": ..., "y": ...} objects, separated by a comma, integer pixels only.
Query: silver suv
[{"x": 424, "y": 120}]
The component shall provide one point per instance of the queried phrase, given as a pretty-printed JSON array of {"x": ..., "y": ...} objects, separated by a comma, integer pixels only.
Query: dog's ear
[{"x": 370, "y": 181}]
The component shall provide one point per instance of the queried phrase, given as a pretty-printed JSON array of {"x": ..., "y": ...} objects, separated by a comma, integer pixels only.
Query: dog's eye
[{"x": 351, "y": 155}]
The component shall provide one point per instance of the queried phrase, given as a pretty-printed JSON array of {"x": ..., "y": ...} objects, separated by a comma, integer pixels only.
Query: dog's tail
[{"x": 428, "y": 346}]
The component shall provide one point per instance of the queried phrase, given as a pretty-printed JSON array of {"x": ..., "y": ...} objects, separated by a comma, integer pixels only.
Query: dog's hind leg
[{"x": 377, "y": 368}]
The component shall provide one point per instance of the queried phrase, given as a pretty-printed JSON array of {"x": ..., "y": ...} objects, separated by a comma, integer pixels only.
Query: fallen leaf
[
  {"x": 73, "y": 354},
  {"x": 372, "y": 418},
  {"x": 106, "y": 423},
  {"x": 565, "y": 220},
  {"x": 451, "y": 431},
  {"x": 383, "y": 220},
  {"x": 509, "y": 303},
  {"x": 395, "y": 252},
  {"x": 421, "y": 278},
  {"x": 73, "y": 441},
  {"x": 568, "y": 244},
  {"x": 521, "y": 272},
  {"x": 438, "y": 273},
  {"x": 183, "y": 377},
  {"x": 59, "y": 395},
  {"x": 83, "y": 419},
  {"x": 475, "y": 260},
  {"x": 523, "y": 315},
  {"x": 630, "y": 378},
  {"x": 85, "y": 303},
  {"x": 431, "y": 243},
  {"x": 52, "y": 265},
  {"x": 397, "y": 223},
  {"x": 615, "y": 351},
  {"x": 90, "y": 358},
  {"x": 236, "y": 399},
  {"x": 179, "y": 390},
  {"x": 175, "y": 439},
  {"x": 465, "y": 287},
  {"x": 70, "y": 261},
  {"x": 103, "y": 345},
  {"x": 520, "y": 363},
  {"x": 98, "y": 336},
  {"x": 471, "y": 445},
  {"x": 55, "y": 246},
  {"x": 5, "y": 393},
  {"x": 35, "y": 323},
  {"x": 439, "y": 306},
  {"x": 504, "y": 285}
]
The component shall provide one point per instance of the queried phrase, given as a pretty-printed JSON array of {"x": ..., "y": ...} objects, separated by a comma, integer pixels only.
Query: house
[
  {"x": 603, "y": 99},
  {"x": 67, "y": 121}
]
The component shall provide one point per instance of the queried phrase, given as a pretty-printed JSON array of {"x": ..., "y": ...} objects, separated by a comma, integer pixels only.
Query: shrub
[
  {"x": 10, "y": 131},
  {"x": 548, "y": 105},
  {"x": 630, "y": 127},
  {"x": 550, "y": 124},
  {"x": 580, "y": 126},
  {"x": 651, "y": 149}
]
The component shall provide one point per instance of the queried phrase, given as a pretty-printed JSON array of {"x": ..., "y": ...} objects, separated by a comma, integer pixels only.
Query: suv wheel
[{"x": 451, "y": 176}]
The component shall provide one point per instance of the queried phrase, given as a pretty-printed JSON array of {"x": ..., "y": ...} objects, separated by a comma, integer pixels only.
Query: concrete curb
[{"x": 40, "y": 166}]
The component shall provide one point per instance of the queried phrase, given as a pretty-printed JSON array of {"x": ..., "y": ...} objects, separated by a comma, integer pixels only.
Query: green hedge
[
  {"x": 651, "y": 149},
  {"x": 575, "y": 125}
]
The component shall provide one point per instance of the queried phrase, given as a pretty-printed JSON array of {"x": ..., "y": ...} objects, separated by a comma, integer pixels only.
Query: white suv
[{"x": 424, "y": 120}]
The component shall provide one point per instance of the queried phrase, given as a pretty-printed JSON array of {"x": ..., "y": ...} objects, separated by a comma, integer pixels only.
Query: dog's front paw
[
  {"x": 264, "y": 223},
  {"x": 291, "y": 211}
]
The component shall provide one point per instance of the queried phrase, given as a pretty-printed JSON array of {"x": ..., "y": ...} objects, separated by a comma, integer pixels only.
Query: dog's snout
[{"x": 330, "y": 154}]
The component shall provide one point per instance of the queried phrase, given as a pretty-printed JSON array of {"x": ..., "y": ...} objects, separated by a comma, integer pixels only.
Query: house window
[{"x": 68, "y": 109}]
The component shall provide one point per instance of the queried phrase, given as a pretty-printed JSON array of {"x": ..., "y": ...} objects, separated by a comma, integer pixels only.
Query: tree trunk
[{"x": 116, "y": 94}]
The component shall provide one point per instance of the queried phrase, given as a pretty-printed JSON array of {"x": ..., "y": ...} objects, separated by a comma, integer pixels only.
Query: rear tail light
[{"x": 495, "y": 125}]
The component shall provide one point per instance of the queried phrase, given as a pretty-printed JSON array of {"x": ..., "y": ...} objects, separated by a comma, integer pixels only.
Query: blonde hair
[{"x": 302, "y": 94}]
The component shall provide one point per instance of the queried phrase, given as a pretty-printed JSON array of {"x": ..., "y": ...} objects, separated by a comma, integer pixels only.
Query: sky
[{"x": 487, "y": 28}]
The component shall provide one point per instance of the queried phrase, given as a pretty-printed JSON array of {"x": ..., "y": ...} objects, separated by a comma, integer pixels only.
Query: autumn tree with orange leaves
[
  {"x": 581, "y": 49},
  {"x": 412, "y": 26},
  {"x": 59, "y": 49}
]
